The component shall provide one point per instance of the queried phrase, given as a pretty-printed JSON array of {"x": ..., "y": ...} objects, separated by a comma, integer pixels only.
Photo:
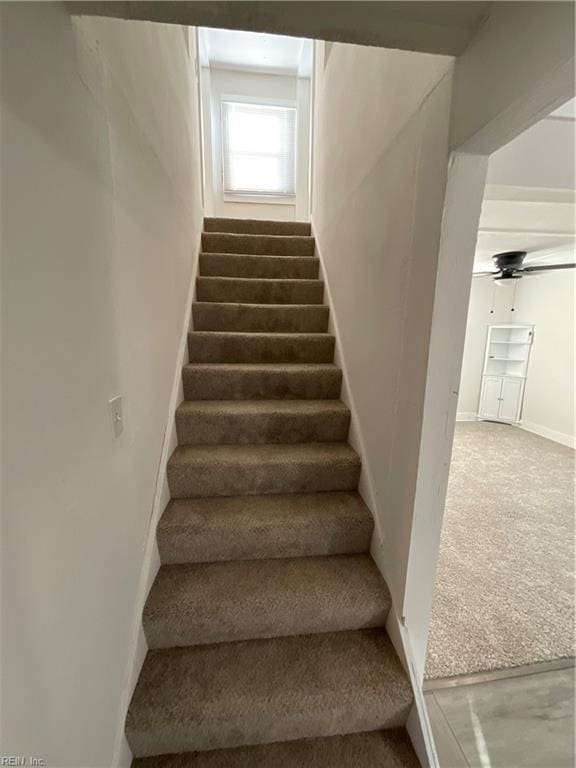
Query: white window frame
[{"x": 251, "y": 197}]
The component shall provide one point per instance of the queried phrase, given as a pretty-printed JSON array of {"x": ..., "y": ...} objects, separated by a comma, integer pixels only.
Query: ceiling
[
  {"x": 275, "y": 54},
  {"x": 566, "y": 110},
  {"x": 530, "y": 197},
  {"x": 427, "y": 26}
]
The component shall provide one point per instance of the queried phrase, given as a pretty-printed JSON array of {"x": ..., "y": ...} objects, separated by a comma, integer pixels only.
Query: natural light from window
[{"x": 258, "y": 148}]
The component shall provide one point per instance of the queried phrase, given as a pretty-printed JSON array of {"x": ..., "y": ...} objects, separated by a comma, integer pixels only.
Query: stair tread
[
  {"x": 262, "y": 691},
  {"x": 260, "y": 347},
  {"x": 260, "y": 305},
  {"x": 224, "y": 225},
  {"x": 267, "y": 281},
  {"x": 264, "y": 367},
  {"x": 292, "y": 335},
  {"x": 199, "y": 603},
  {"x": 210, "y": 422},
  {"x": 235, "y": 470},
  {"x": 257, "y": 455},
  {"x": 269, "y": 244},
  {"x": 257, "y": 290},
  {"x": 254, "y": 317},
  {"x": 387, "y": 749},
  {"x": 248, "y": 527},
  {"x": 258, "y": 266},
  {"x": 257, "y": 407},
  {"x": 281, "y": 257}
]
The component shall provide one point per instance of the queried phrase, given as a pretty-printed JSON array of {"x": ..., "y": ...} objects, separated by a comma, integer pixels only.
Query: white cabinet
[
  {"x": 490, "y": 397},
  {"x": 501, "y": 398},
  {"x": 505, "y": 371},
  {"x": 511, "y": 399}
]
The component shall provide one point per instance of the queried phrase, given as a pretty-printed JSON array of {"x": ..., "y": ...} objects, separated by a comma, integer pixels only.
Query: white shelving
[{"x": 505, "y": 371}]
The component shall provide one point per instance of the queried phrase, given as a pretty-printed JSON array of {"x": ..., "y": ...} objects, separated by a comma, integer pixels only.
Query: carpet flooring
[{"x": 504, "y": 592}]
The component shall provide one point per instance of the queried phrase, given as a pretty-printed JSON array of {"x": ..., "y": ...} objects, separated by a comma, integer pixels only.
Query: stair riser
[
  {"x": 190, "y": 480},
  {"x": 249, "y": 317},
  {"x": 219, "y": 535},
  {"x": 259, "y": 291},
  {"x": 265, "y": 245},
  {"x": 280, "y": 267},
  {"x": 260, "y": 349},
  {"x": 317, "y": 685},
  {"x": 261, "y": 385},
  {"x": 204, "y": 604},
  {"x": 384, "y": 749},
  {"x": 159, "y": 634},
  {"x": 306, "y": 724},
  {"x": 256, "y": 227},
  {"x": 227, "y": 429}
]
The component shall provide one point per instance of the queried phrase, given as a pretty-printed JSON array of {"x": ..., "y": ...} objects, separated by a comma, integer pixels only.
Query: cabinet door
[
  {"x": 490, "y": 397},
  {"x": 510, "y": 399}
]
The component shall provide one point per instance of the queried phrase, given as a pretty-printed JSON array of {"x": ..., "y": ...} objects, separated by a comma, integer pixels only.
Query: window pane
[
  {"x": 253, "y": 173},
  {"x": 255, "y": 132},
  {"x": 258, "y": 148}
]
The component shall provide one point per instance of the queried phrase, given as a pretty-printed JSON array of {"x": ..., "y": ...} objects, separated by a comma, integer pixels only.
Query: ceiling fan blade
[
  {"x": 548, "y": 268},
  {"x": 483, "y": 274}
]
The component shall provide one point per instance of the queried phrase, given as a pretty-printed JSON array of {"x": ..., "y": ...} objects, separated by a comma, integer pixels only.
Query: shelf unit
[{"x": 505, "y": 370}]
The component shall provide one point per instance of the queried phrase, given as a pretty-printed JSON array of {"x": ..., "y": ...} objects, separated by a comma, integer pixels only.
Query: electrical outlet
[{"x": 115, "y": 407}]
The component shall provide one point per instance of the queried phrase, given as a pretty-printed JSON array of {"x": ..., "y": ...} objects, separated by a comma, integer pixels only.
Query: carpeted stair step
[
  {"x": 371, "y": 749},
  {"x": 274, "y": 318},
  {"x": 221, "y": 422},
  {"x": 202, "y": 603},
  {"x": 240, "y": 381},
  {"x": 257, "y": 226},
  {"x": 244, "y": 265},
  {"x": 229, "y": 347},
  {"x": 254, "y": 527},
  {"x": 262, "y": 691},
  {"x": 265, "y": 245},
  {"x": 254, "y": 291},
  {"x": 236, "y": 470}
]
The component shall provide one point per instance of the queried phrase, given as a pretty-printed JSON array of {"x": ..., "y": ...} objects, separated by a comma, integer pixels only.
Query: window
[{"x": 258, "y": 149}]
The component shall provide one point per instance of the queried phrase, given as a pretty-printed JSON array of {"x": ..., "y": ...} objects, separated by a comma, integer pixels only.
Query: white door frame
[{"x": 464, "y": 192}]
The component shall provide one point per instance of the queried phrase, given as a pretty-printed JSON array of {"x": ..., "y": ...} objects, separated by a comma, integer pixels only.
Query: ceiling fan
[{"x": 509, "y": 266}]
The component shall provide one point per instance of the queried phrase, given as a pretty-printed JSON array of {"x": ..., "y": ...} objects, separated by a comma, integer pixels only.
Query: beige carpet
[{"x": 505, "y": 582}]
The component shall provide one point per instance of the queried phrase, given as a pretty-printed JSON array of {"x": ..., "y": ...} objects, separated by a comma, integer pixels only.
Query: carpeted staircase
[{"x": 266, "y": 620}]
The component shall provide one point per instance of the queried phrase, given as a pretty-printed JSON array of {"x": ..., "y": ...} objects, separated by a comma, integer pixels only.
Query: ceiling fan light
[{"x": 506, "y": 278}]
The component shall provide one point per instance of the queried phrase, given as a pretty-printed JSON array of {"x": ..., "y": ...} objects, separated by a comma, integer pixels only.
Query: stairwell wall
[
  {"x": 101, "y": 219},
  {"x": 377, "y": 200}
]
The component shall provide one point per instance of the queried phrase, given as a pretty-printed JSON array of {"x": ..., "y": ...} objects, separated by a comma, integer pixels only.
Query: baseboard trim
[
  {"x": 418, "y": 724},
  {"x": 550, "y": 434},
  {"x": 499, "y": 674},
  {"x": 122, "y": 756},
  {"x": 365, "y": 484},
  {"x": 466, "y": 416}
]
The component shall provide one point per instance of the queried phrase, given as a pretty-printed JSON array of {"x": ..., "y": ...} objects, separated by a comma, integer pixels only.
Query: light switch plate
[{"x": 115, "y": 407}]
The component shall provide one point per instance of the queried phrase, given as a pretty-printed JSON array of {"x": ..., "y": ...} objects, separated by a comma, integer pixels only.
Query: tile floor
[{"x": 517, "y": 722}]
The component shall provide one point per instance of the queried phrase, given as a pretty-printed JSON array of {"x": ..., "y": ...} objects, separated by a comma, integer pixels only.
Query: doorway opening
[{"x": 502, "y": 628}]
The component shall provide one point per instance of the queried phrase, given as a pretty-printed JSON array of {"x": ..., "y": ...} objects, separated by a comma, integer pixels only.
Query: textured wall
[
  {"x": 378, "y": 190},
  {"x": 100, "y": 221}
]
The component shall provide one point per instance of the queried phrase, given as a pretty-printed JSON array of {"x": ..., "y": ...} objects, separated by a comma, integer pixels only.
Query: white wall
[
  {"x": 547, "y": 301},
  {"x": 380, "y": 159},
  {"x": 517, "y": 69},
  {"x": 100, "y": 226},
  {"x": 217, "y": 83},
  {"x": 542, "y": 156}
]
